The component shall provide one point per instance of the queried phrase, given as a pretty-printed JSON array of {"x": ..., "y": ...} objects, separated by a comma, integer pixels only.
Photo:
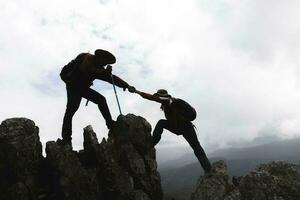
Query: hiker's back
[
  {"x": 71, "y": 72},
  {"x": 179, "y": 113}
]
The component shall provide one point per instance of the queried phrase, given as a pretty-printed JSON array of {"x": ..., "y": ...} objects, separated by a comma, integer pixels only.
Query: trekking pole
[{"x": 113, "y": 82}]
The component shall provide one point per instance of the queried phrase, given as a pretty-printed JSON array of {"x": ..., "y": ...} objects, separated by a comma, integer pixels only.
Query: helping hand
[{"x": 131, "y": 89}]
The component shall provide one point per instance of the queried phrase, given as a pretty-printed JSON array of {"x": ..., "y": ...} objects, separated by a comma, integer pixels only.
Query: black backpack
[
  {"x": 71, "y": 71},
  {"x": 184, "y": 109}
]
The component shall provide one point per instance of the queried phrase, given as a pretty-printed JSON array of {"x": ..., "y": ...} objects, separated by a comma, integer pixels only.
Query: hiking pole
[{"x": 113, "y": 82}]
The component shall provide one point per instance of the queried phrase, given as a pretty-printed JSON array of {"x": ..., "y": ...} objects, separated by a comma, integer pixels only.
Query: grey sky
[{"x": 236, "y": 61}]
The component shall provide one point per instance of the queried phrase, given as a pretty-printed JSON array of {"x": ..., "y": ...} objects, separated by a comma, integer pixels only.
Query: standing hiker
[
  {"x": 179, "y": 115},
  {"x": 79, "y": 75}
]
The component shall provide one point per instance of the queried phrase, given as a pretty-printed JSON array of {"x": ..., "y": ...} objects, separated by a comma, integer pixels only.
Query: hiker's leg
[
  {"x": 100, "y": 100},
  {"x": 158, "y": 130},
  {"x": 73, "y": 103},
  {"x": 191, "y": 137}
]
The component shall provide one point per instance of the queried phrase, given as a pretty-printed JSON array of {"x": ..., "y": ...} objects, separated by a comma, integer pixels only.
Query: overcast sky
[{"x": 237, "y": 62}]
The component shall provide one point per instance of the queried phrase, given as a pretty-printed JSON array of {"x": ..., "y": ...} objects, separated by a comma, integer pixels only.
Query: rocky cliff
[
  {"x": 123, "y": 167},
  {"x": 277, "y": 180}
]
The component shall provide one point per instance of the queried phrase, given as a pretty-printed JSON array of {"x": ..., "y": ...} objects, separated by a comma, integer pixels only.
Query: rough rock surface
[
  {"x": 123, "y": 167},
  {"x": 20, "y": 158},
  {"x": 217, "y": 185},
  {"x": 276, "y": 180}
]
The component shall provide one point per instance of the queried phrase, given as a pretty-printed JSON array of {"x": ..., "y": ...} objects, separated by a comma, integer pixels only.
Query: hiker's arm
[
  {"x": 118, "y": 82},
  {"x": 153, "y": 97},
  {"x": 106, "y": 75}
]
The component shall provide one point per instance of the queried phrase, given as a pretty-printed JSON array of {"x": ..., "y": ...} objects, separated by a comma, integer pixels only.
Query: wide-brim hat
[
  {"x": 106, "y": 56},
  {"x": 162, "y": 93}
]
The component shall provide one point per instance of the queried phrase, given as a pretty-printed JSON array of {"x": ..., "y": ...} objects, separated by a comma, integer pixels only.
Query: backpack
[
  {"x": 71, "y": 71},
  {"x": 184, "y": 109}
]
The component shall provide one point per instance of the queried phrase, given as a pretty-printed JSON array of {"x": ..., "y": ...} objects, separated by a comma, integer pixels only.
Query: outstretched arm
[
  {"x": 153, "y": 97},
  {"x": 107, "y": 76},
  {"x": 117, "y": 80}
]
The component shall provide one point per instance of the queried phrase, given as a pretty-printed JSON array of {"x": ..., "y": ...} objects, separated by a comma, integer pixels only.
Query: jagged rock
[
  {"x": 134, "y": 130},
  {"x": 73, "y": 181},
  {"x": 137, "y": 155},
  {"x": 123, "y": 167},
  {"x": 20, "y": 157},
  {"x": 126, "y": 161},
  {"x": 277, "y": 180},
  {"x": 117, "y": 183},
  {"x": 272, "y": 181},
  {"x": 90, "y": 144},
  {"x": 217, "y": 185}
]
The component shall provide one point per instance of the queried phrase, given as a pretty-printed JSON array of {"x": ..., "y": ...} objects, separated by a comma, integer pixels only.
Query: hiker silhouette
[
  {"x": 79, "y": 75},
  {"x": 179, "y": 115}
]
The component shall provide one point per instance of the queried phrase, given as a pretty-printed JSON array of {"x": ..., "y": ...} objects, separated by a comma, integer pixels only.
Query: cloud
[{"x": 235, "y": 61}]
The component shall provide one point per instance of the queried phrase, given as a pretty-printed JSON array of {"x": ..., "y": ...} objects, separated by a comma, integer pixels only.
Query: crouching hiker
[
  {"x": 179, "y": 115},
  {"x": 79, "y": 75}
]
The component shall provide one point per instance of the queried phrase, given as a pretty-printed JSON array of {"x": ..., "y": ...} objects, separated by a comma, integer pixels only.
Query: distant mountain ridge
[
  {"x": 278, "y": 150},
  {"x": 179, "y": 180},
  {"x": 285, "y": 149}
]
